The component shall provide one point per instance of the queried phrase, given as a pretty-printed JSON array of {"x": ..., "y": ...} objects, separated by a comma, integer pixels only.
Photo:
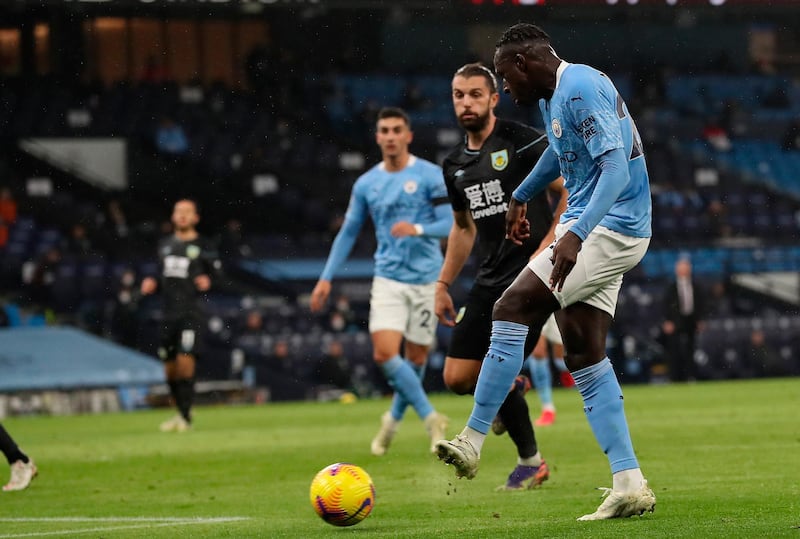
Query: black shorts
[
  {"x": 179, "y": 336},
  {"x": 470, "y": 337}
]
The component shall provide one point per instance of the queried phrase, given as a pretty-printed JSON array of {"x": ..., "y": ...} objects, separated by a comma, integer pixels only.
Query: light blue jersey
[
  {"x": 416, "y": 194},
  {"x": 585, "y": 119}
]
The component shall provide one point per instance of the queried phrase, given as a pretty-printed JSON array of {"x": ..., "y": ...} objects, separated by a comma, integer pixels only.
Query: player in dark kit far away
[
  {"x": 603, "y": 233},
  {"x": 480, "y": 174},
  {"x": 23, "y": 470},
  {"x": 186, "y": 265}
]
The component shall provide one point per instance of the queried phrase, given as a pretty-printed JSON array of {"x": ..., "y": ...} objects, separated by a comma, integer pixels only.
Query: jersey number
[
  {"x": 425, "y": 315},
  {"x": 637, "y": 149}
]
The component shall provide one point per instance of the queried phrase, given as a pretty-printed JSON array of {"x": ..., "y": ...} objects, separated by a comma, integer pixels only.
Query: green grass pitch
[{"x": 722, "y": 458}]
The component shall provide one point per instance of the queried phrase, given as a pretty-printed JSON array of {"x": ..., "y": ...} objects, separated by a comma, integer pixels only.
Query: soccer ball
[{"x": 342, "y": 494}]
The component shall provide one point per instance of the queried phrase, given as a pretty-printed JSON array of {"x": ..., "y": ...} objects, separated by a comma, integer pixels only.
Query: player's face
[
  {"x": 525, "y": 77},
  {"x": 473, "y": 101},
  {"x": 393, "y": 136},
  {"x": 184, "y": 215}
]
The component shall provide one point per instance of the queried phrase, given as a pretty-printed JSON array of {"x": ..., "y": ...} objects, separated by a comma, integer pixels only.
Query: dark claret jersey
[
  {"x": 482, "y": 181},
  {"x": 180, "y": 263}
]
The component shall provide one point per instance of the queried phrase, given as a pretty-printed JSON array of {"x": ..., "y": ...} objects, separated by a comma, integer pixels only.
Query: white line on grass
[{"x": 141, "y": 522}]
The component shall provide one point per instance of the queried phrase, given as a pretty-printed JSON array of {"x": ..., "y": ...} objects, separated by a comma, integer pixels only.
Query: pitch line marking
[{"x": 140, "y": 522}]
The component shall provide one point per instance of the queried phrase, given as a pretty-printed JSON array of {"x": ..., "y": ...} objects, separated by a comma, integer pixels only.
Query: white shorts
[
  {"x": 597, "y": 276},
  {"x": 407, "y": 308},
  {"x": 551, "y": 332}
]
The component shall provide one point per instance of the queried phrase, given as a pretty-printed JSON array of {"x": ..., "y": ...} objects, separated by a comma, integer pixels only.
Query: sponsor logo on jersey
[
  {"x": 499, "y": 159},
  {"x": 555, "y": 125},
  {"x": 192, "y": 251},
  {"x": 410, "y": 187}
]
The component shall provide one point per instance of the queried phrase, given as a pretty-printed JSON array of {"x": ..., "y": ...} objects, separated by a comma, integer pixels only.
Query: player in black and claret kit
[
  {"x": 481, "y": 174},
  {"x": 186, "y": 266}
]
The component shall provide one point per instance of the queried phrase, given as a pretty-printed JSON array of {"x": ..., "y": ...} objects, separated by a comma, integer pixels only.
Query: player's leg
[
  {"x": 584, "y": 323},
  {"x": 393, "y": 317},
  {"x": 23, "y": 469},
  {"x": 584, "y": 329},
  {"x": 530, "y": 470},
  {"x": 527, "y": 302},
  {"x": 538, "y": 363}
]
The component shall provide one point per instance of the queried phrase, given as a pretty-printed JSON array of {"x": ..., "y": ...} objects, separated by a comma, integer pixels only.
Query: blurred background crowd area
[{"x": 264, "y": 114}]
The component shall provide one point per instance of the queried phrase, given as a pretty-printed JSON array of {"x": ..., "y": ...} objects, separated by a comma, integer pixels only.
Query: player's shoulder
[
  {"x": 581, "y": 76},
  {"x": 426, "y": 166},
  {"x": 368, "y": 176}
]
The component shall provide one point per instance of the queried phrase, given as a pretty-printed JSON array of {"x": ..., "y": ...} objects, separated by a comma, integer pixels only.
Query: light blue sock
[
  {"x": 405, "y": 382},
  {"x": 560, "y": 365},
  {"x": 542, "y": 378},
  {"x": 399, "y": 404},
  {"x": 603, "y": 406},
  {"x": 501, "y": 365}
]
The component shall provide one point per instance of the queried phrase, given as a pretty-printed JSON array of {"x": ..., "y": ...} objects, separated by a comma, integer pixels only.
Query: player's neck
[
  {"x": 186, "y": 235},
  {"x": 395, "y": 163},
  {"x": 475, "y": 139}
]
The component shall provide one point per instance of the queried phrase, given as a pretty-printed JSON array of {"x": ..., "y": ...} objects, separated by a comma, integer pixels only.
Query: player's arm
[
  {"x": 209, "y": 267},
  {"x": 545, "y": 169},
  {"x": 340, "y": 250},
  {"x": 438, "y": 228},
  {"x": 459, "y": 245}
]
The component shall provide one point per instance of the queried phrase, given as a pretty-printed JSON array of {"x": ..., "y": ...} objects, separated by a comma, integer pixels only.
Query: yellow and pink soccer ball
[{"x": 342, "y": 494}]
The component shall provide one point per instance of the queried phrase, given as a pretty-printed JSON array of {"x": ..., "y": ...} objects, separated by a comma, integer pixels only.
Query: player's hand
[
  {"x": 148, "y": 286},
  {"x": 443, "y": 307},
  {"x": 565, "y": 254},
  {"x": 518, "y": 228},
  {"x": 402, "y": 229},
  {"x": 202, "y": 282},
  {"x": 320, "y": 295}
]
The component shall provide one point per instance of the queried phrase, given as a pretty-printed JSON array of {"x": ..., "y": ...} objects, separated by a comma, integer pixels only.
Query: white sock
[
  {"x": 535, "y": 460},
  {"x": 475, "y": 438},
  {"x": 628, "y": 480},
  {"x": 551, "y": 407}
]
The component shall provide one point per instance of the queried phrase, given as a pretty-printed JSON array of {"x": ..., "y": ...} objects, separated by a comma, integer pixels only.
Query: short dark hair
[
  {"x": 477, "y": 69},
  {"x": 522, "y": 33},
  {"x": 394, "y": 112}
]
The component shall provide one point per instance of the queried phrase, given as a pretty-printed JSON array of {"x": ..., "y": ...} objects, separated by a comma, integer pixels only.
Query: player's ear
[
  {"x": 494, "y": 99},
  {"x": 519, "y": 61}
]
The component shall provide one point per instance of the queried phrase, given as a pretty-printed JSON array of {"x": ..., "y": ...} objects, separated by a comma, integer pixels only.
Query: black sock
[
  {"x": 10, "y": 449},
  {"x": 516, "y": 418},
  {"x": 185, "y": 397},
  {"x": 173, "y": 390}
]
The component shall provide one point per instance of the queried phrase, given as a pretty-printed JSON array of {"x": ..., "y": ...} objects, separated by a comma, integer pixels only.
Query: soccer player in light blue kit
[
  {"x": 603, "y": 233},
  {"x": 407, "y": 200}
]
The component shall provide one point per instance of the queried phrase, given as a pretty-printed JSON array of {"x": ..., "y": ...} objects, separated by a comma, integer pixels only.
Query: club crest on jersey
[
  {"x": 556, "y": 126},
  {"x": 499, "y": 160},
  {"x": 192, "y": 251},
  {"x": 410, "y": 187}
]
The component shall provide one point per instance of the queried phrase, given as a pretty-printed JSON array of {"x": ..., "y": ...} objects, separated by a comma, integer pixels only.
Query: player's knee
[
  {"x": 509, "y": 307},
  {"x": 458, "y": 384}
]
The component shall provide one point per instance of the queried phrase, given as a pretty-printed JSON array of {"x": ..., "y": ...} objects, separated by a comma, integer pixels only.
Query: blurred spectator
[
  {"x": 718, "y": 223},
  {"x": 762, "y": 359},
  {"x": 231, "y": 241},
  {"x": 114, "y": 224},
  {"x": 171, "y": 138},
  {"x": 791, "y": 137},
  {"x": 125, "y": 311},
  {"x": 8, "y": 214},
  {"x": 78, "y": 242},
  {"x": 333, "y": 369},
  {"x": 253, "y": 324},
  {"x": 683, "y": 314},
  {"x": 41, "y": 276}
]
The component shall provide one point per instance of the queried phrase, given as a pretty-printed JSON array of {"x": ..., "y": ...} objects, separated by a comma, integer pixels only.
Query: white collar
[{"x": 411, "y": 160}]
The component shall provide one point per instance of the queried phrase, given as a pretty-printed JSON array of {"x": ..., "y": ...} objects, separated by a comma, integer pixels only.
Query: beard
[{"x": 476, "y": 124}]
